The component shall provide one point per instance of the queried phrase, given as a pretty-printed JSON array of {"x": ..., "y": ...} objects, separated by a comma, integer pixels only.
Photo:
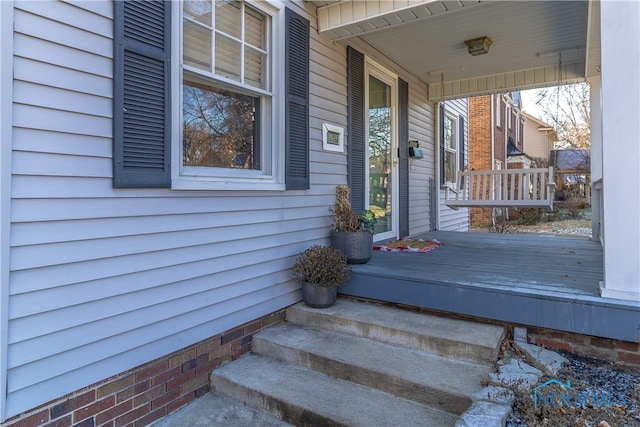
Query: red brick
[
  {"x": 152, "y": 370},
  {"x": 196, "y": 383},
  {"x": 113, "y": 413},
  {"x": 601, "y": 342},
  {"x": 132, "y": 416},
  {"x": 182, "y": 357},
  {"x": 231, "y": 336},
  {"x": 68, "y": 406},
  {"x": 252, "y": 327},
  {"x": 209, "y": 346},
  {"x": 61, "y": 422},
  {"x": 554, "y": 345},
  {"x": 193, "y": 363},
  {"x": 149, "y": 395},
  {"x": 164, "y": 399},
  {"x": 207, "y": 367},
  {"x": 115, "y": 386},
  {"x": 94, "y": 408},
  {"x": 150, "y": 418},
  {"x": 89, "y": 422},
  {"x": 134, "y": 390},
  {"x": 630, "y": 358},
  {"x": 628, "y": 346},
  {"x": 166, "y": 376},
  {"x": 273, "y": 318},
  {"x": 183, "y": 378},
  {"x": 179, "y": 403},
  {"x": 32, "y": 420}
]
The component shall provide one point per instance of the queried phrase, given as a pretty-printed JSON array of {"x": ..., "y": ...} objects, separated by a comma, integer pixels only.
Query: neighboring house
[
  {"x": 497, "y": 134},
  {"x": 539, "y": 138},
  {"x": 572, "y": 169},
  {"x": 160, "y": 169},
  {"x": 453, "y": 157}
]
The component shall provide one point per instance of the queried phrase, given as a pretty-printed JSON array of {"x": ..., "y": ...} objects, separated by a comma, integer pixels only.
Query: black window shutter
[
  {"x": 403, "y": 156},
  {"x": 297, "y": 101},
  {"x": 355, "y": 129},
  {"x": 442, "y": 178},
  {"x": 461, "y": 146},
  {"x": 142, "y": 94}
]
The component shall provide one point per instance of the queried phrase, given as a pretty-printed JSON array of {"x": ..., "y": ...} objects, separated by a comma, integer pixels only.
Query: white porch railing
[{"x": 529, "y": 188}]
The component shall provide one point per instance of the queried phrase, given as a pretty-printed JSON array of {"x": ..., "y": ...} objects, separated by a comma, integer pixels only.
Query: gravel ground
[
  {"x": 588, "y": 377},
  {"x": 566, "y": 228}
]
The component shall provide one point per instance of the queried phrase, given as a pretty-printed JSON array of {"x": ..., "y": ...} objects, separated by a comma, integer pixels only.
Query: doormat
[{"x": 409, "y": 245}]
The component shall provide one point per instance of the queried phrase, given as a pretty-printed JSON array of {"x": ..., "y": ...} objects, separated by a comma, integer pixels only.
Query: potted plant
[
  {"x": 321, "y": 270},
  {"x": 352, "y": 234}
]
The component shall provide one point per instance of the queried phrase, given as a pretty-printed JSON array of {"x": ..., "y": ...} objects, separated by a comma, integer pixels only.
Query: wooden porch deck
[{"x": 532, "y": 280}]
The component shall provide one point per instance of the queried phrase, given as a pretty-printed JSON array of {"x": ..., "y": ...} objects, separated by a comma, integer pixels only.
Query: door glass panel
[{"x": 380, "y": 154}]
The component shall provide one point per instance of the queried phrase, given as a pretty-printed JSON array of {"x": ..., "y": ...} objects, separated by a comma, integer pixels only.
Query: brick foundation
[
  {"x": 618, "y": 352},
  {"x": 147, "y": 393}
]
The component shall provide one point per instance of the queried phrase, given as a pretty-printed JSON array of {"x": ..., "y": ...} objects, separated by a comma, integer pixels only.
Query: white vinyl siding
[
  {"x": 102, "y": 279},
  {"x": 450, "y": 219},
  {"x": 421, "y": 118}
]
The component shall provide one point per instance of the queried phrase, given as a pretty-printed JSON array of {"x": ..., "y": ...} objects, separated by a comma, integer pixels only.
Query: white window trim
[
  {"x": 372, "y": 68},
  {"x": 498, "y": 107},
  {"x": 272, "y": 175},
  {"x": 456, "y": 120}
]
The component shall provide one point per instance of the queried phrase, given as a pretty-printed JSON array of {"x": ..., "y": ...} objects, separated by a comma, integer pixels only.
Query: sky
[{"x": 529, "y": 103}]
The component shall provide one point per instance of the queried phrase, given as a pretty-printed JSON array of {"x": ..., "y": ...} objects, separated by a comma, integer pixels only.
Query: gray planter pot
[
  {"x": 318, "y": 296},
  {"x": 357, "y": 245}
]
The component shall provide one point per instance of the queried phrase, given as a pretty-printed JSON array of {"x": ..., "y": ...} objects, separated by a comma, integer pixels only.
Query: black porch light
[{"x": 478, "y": 46}]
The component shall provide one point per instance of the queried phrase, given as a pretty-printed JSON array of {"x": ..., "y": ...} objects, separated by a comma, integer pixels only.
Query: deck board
[
  {"x": 545, "y": 281},
  {"x": 567, "y": 264}
]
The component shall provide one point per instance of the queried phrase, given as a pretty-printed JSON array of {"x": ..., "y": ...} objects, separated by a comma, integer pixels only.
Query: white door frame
[{"x": 386, "y": 76}]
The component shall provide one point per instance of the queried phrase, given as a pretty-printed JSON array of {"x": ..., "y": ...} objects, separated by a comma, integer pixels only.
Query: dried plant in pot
[
  {"x": 351, "y": 233},
  {"x": 321, "y": 270}
]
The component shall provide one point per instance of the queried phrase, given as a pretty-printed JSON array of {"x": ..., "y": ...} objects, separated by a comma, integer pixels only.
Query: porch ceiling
[{"x": 427, "y": 39}]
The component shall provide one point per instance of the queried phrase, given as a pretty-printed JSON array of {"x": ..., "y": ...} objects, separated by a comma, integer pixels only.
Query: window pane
[
  {"x": 219, "y": 129},
  {"x": 449, "y": 166},
  {"x": 228, "y": 58},
  {"x": 197, "y": 46},
  {"x": 254, "y": 66},
  {"x": 449, "y": 133},
  {"x": 228, "y": 18},
  {"x": 198, "y": 11},
  {"x": 254, "y": 28}
]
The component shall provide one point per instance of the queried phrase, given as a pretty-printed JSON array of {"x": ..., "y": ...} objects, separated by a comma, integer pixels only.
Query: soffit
[{"x": 530, "y": 39}]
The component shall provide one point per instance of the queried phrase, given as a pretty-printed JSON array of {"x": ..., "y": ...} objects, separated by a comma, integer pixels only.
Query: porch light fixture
[{"x": 478, "y": 46}]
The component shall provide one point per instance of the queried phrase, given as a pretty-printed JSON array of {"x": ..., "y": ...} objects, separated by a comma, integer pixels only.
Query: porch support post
[
  {"x": 620, "y": 50},
  {"x": 595, "y": 90}
]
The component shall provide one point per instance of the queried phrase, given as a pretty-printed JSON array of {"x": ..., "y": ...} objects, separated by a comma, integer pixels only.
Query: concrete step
[
  {"x": 309, "y": 398},
  {"x": 446, "y": 384},
  {"x": 450, "y": 338}
]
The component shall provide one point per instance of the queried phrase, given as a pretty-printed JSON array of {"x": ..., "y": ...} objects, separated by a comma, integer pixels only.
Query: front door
[{"x": 382, "y": 159}]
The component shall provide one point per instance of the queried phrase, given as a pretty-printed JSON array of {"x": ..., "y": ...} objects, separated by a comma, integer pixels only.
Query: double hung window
[{"x": 226, "y": 90}]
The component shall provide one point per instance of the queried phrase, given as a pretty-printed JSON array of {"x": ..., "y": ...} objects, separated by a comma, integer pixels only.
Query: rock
[
  {"x": 515, "y": 366},
  {"x": 520, "y": 381},
  {"x": 548, "y": 361},
  {"x": 484, "y": 414},
  {"x": 496, "y": 394}
]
